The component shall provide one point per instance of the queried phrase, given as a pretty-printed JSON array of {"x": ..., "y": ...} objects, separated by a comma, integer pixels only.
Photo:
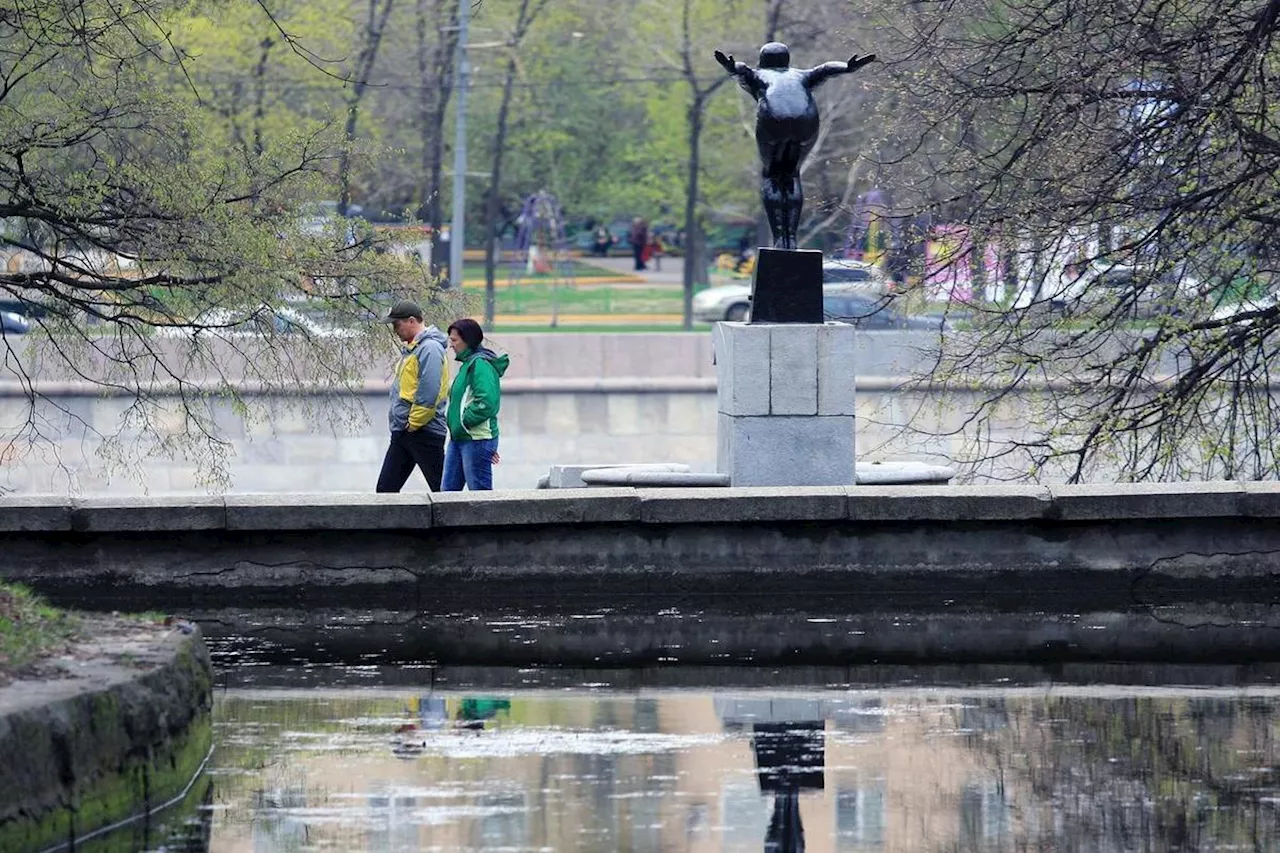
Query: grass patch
[
  {"x": 601, "y": 299},
  {"x": 29, "y": 629},
  {"x": 544, "y": 299}
]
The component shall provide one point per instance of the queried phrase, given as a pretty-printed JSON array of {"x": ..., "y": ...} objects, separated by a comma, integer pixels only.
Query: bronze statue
[{"x": 786, "y": 127}]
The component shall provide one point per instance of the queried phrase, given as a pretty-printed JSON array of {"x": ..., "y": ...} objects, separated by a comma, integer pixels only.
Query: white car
[
  {"x": 263, "y": 322},
  {"x": 1234, "y": 309},
  {"x": 733, "y": 301}
]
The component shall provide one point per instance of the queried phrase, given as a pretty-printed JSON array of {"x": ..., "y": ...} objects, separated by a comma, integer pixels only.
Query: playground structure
[{"x": 542, "y": 249}]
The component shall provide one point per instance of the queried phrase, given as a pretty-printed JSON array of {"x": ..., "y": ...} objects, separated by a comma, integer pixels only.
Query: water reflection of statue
[
  {"x": 788, "y": 740},
  {"x": 789, "y": 759},
  {"x": 786, "y": 832},
  {"x": 786, "y": 127}
]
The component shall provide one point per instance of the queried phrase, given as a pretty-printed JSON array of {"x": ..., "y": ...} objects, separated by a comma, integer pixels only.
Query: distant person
[
  {"x": 655, "y": 252},
  {"x": 419, "y": 390},
  {"x": 601, "y": 241},
  {"x": 639, "y": 241},
  {"x": 474, "y": 401}
]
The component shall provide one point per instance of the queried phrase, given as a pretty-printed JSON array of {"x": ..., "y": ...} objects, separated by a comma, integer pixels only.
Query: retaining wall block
[
  {"x": 140, "y": 514},
  {"x": 330, "y": 511},
  {"x": 742, "y": 505},
  {"x": 948, "y": 503},
  {"x": 1105, "y": 501},
  {"x": 533, "y": 507},
  {"x": 34, "y": 513},
  {"x": 1261, "y": 499}
]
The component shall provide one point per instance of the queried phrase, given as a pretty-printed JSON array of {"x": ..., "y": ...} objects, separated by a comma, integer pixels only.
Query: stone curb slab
[
  {"x": 138, "y": 514},
  {"x": 1103, "y": 501},
  {"x": 510, "y": 508},
  {"x": 948, "y": 503},
  {"x": 1261, "y": 500},
  {"x": 743, "y": 505},
  {"x": 420, "y": 511},
  {"x": 354, "y": 511},
  {"x": 36, "y": 514}
]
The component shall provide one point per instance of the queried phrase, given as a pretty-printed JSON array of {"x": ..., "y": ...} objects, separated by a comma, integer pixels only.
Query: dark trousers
[
  {"x": 421, "y": 448},
  {"x": 637, "y": 251}
]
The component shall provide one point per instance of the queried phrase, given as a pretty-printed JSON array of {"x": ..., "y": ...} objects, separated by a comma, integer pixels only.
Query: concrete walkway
[
  {"x": 508, "y": 320},
  {"x": 672, "y": 269}
]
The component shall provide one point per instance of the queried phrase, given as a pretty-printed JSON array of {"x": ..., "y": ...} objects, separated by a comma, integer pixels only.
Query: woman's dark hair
[{"x": 470, "y": 332}]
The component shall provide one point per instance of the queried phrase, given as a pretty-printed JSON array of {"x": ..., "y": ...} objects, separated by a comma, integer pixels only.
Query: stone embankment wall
[
  {"x": 992, "y": 539},
  {"x": 568, "y": 399},
  {"x": 630, "y": 577},
  {"x": 121, "y": 732}
]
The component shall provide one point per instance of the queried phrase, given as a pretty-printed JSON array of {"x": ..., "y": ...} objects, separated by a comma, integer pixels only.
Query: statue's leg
[
  {"x": 772, "y": 196},
  {"x": 795, "y": 193},
  {"x": 775, "y": 208},
  {"x": 791, "y": 197},
  {"x": 791, "y": 212}
]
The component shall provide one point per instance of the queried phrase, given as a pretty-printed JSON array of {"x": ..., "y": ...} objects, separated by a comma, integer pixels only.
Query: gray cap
[{"x": 403, "y": 310}]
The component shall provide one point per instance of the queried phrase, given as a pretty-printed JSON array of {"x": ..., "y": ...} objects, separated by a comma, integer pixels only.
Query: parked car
[
  {"x": 14, "y": 324},
  {"x": 24, "y": 307},
  {"x": 870, "y": 313},
  {"x": 1231, "y": 310},
  {"x": 1103, "y": 284},
  {"x": 733, "y": 301}
]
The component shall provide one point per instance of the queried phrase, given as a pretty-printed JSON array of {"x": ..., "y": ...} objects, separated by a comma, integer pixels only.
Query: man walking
[{"x": 419, "y": 392}]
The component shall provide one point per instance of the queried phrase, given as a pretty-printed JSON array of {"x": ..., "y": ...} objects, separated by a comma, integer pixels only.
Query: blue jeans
[{"x": 470, "y": 464}]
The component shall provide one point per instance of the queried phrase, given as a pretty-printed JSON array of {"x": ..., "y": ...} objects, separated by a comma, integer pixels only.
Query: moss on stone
[
  {"x": 110, "y": 754},
  {"x": 142, "y": 785}
]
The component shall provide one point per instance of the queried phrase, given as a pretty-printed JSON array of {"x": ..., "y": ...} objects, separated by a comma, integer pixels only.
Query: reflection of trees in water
[{"x": 1139, "y": 773}]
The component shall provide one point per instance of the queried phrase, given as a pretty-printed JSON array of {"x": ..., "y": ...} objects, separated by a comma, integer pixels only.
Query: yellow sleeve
[{"x": 420, "y": 415}]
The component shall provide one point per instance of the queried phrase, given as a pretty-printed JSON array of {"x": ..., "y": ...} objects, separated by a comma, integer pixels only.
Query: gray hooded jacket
[{"x": 420, "y": 385}]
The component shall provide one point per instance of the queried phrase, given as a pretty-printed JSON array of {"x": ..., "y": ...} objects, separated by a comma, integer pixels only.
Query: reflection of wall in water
[{"x": 902, "y": 777}]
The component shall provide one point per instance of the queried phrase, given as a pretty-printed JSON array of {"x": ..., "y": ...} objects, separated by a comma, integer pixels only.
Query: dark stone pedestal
[{"x": 787, "y": 287}]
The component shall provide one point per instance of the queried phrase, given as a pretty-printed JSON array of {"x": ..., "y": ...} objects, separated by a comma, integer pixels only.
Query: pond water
[{"x": 594, "y": 768}]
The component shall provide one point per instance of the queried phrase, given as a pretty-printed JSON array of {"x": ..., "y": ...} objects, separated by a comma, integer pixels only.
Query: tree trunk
[
  {"x": 693, "y": 237},
  {"x": 364, "y": 67},
  {"x": 436, "y": 75},
  {"x": 492, "y": 212},
  {"x": 493, "y": 201},
  {"x": 260, "y": 96}
]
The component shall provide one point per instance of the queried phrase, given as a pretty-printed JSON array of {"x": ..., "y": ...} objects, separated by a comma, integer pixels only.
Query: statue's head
[{"x": 775, "y": 55}]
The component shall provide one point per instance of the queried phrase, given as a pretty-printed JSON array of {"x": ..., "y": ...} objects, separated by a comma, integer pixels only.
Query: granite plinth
[{"x": 786, "y": 402}]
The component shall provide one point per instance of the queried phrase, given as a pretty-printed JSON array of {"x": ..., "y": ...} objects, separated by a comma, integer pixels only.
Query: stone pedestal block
[
  {"x": 787, "y": 286},
  {"x": 786, "y": 450},
  {"x": 786, "y": 402}
]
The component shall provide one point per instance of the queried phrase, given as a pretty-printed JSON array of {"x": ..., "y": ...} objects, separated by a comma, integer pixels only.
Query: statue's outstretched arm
[
  {"x": 745, "y": 74},
  {"x": 815, "y": 77}
]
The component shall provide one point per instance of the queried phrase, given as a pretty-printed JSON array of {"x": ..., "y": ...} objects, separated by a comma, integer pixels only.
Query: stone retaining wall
[
  {"x": 567, "y": 399},
  {"x": 974, "y": 540},
  {"x": 123, "y": 731},
  {"x": 637, "y": 577}
]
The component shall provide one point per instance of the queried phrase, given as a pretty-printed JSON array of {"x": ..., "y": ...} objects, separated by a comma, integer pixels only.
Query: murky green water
[{"x": 1068, "y": 769}]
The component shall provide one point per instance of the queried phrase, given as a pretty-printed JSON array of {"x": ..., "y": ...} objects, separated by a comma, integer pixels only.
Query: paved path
[
  {"x": 672, "y": 269},
  {"x": 508, "y": 320}
]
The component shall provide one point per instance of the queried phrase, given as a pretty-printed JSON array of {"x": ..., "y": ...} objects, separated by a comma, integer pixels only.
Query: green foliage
[{"x": 29, "y": 629}]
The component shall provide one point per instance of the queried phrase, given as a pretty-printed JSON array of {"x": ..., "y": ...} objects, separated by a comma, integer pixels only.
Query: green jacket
[{"x": 476, "y": 395}]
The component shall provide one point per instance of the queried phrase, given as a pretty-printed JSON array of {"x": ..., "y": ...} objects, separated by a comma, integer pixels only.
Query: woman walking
[{"x": 474, "y": 400}]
